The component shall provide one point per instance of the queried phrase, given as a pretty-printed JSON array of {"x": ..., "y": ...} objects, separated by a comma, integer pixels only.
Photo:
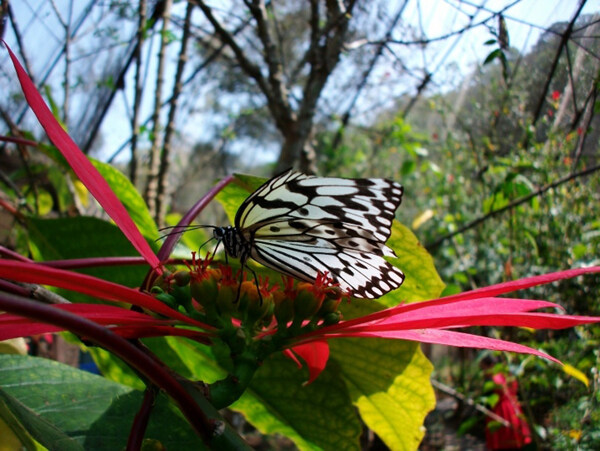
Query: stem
[
  {"x": 126, "y": 351},
  {"x": 140, "y": 422}
]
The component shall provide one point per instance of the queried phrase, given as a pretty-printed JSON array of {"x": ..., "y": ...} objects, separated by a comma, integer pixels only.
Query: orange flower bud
[{"x": 308, "y": 300}]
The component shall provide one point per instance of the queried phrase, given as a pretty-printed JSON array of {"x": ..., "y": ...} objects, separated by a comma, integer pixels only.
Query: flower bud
[
  {"x": 227, "y": 302},
  {"x": 182, "y": 278},
  {"x": 258, "y": 301},
  {"x": 308, "y": 301},
  {"x": 331, "y": 302},
  {"x": 332, "y": 318},
  {"x": 284, "y": 308},
  {"x": 204, "y": 288}
]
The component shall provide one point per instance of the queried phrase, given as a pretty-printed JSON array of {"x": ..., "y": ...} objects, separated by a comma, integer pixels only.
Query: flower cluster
[{"x": 214, "y": 294}]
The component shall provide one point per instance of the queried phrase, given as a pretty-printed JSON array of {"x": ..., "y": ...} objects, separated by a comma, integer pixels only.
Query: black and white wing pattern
[{"x": 301, "y": 225}]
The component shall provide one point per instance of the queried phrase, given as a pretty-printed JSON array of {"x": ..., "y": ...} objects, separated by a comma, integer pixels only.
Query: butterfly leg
[{"x": 239, "y": 290}]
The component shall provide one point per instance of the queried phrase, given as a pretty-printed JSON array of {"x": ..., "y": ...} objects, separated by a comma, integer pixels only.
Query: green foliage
[
  {"x": 67, "y": 409},
  {"x": 466, "y": 154}
]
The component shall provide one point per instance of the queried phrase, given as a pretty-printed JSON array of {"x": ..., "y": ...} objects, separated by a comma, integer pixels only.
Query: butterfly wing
[{"x": 302, "y": 225}]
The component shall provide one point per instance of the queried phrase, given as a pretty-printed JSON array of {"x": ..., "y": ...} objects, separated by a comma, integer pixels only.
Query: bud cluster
[{"x": 215, "y": 294}]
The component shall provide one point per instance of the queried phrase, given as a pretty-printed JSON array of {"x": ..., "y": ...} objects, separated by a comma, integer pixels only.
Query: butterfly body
[{"x": 303, "y": 225}]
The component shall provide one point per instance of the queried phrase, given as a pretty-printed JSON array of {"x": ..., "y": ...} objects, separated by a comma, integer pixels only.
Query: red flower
[{"x": 555, "y": 95}]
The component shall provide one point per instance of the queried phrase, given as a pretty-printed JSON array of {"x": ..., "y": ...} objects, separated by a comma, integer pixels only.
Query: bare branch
[
  {"x": 469, "y": 401},
  {"x": 270, "y": 54},
  {"x": 563, "y": 42},
  {"x": 366, "y": 74},
  {"x": 151, "y": 192},
  {"x": 138, "y": 90},
  {"x": 163, "y": 180}
]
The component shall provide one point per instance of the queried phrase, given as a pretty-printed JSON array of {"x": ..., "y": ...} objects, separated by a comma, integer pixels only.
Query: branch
[
  {"x": 207, "y": 61},
  {"x": 140, "y": 422},
  {"x": 247, "y": 66},
  {"x": 138, "y": 91},
  {"x": 151, "y": 191},
  {"x": 455, "y": 394},
  {"x": 511, "y": 205},
  {"x": 278, "y": 89},
  {"x": 366, "y": 74},
  {"x": 563, "y": 42},
  {"x": 163, "y": 180}
]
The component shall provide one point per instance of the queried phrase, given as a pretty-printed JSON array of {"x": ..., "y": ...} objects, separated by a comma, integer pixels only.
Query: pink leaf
[{"x": 86, "y": 172}]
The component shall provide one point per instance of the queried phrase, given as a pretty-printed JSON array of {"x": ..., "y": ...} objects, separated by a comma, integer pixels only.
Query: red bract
[
  {"x": 82, "y": 167},
  {"x": 92, "y": 286},
  {"x": 431, "y": 321}
]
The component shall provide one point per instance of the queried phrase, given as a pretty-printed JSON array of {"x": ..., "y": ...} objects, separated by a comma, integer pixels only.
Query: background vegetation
[{"x": 500, "y": 166}]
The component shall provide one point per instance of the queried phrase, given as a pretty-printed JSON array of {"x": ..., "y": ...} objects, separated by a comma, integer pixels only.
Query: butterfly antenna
[{"x": 179, "y": 229}]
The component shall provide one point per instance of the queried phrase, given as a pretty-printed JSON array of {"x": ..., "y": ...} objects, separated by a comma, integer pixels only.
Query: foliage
[{"x": 484, "y": 153}]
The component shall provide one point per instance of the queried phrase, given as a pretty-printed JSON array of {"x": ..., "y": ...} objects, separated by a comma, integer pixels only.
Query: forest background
[{"x": 498, "y": 155}]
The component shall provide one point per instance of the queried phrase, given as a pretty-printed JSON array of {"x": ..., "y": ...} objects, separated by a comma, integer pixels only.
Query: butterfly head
[{"x": 235, "y": 245}]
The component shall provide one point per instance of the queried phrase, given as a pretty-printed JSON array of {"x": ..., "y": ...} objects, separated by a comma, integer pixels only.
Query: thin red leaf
[
  {"x": 475, "y": 312},
  {"x": 100, "y": 313},
  {"x": 92, "y": 286},
  {"x": 490, "y": 291},
  {"x": 13, "y": 326},
  {"x": 9, "y": 331},
  {"x": 531, "y": 320},
  {"x": 521, "y": 284},
  {"x": 451, "y": 338},
  {"x": 82, "y": 167},
  {"x": 142, "y": 331}
]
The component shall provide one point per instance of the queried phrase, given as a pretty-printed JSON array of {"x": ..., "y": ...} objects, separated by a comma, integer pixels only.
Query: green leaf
[
  {"x": 85, "y": 237},
  {"x": 129, "y": 196},
  {"x": 28, "y": 426},
  {"x": 91, "y": 411},
  {"x": 408, "y": 167},
  {"x": 232, "y": 196},
  {"x": 115, "y": 369},
  {"x": 121, "y": 185},
  {"x": 317, "y": 416},
  {"x": 388, "y": 381},
  {"x": 492, "y": 56},
  {"x": 422, "y": 281}
]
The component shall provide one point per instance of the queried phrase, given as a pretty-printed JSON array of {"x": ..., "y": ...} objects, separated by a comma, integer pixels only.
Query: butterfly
[{"x": 302, "y": 225}]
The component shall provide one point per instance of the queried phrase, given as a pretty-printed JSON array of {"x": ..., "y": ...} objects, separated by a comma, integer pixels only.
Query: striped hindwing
[{"x": 301, "y": 225}]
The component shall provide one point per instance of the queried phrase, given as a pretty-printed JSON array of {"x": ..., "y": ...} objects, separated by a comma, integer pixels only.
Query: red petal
[
  {"x": 315, "y": 354},
  {"x": 86, "y": 172}
]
